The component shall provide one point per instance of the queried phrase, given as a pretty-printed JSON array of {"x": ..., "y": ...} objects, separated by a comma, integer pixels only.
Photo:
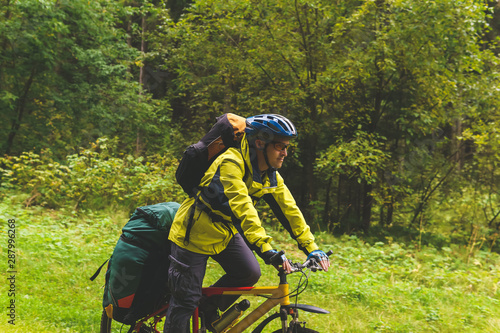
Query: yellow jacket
[{"x": 226, "y": 205}]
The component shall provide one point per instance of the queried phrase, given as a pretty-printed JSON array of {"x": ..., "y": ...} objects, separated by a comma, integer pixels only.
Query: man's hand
[
  {"x": 321, "y": 258},
  {"x": 271, "y": 257},
  {"x": 286, "y": 266}
]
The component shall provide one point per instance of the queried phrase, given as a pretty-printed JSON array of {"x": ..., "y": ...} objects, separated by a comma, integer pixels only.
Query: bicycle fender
[
  {"x": 305, "y": 307},
  {"x": 308, "y": 308}
]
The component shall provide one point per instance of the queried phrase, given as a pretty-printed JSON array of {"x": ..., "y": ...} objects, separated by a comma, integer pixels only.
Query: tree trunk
[
  {"x": 390, "y": 212},
  {"x": 141, "y": 83},
  {"x": 309, "y": 157},
  {"x": 381, "y": 219},
  {"x": 457, "y": 146},
  {"x": 20, "y": 109},
  {"x": 308, "y": 186},
  {"x": 326, "y": 211},
  {"x": 367, "y": 207}
]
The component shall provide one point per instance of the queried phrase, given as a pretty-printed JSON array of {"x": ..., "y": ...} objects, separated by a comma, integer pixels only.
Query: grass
[{"x": 379, "y": 287}]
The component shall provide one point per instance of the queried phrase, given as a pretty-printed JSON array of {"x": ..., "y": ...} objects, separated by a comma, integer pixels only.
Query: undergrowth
[
  {"x": 94, "y": 178},
  {"x": 373, "y": 286}
]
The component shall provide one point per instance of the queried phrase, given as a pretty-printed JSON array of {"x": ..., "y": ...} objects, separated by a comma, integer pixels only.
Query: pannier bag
[
  {"x": 226, "y": 132},
  {"x": 136, "y": 277}
]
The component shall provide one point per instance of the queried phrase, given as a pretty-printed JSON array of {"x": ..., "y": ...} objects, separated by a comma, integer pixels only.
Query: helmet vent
[
  {"x": 282, "y": 124},
  {"x": 275, "y": 123},
  {"x": 273, "y": 127}
]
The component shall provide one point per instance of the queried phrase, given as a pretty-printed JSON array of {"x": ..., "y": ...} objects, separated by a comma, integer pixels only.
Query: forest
[
  {"x": 396, "y": 166},
  {"x": 396, "y": 103}
]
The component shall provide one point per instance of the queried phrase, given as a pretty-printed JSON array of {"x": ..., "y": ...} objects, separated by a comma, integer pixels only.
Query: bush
[{"x": 92, "y": 179}]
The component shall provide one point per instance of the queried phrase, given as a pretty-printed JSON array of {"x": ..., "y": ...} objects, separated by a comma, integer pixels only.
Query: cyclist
[{"x": 221, "y": 221}]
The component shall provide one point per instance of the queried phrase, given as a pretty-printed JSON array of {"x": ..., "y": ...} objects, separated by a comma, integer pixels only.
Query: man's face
[{"x": 276, "y": 152}]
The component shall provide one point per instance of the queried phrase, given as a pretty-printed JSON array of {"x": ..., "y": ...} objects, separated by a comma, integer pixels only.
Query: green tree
[
  {"x": 397, "y": 72},
  {"x": 66, "y": 78}
]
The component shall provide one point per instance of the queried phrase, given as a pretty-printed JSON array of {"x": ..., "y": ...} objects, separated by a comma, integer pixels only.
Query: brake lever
[
  {"x": 312, "y": 264},
  {"x": 309, "y": 263}
]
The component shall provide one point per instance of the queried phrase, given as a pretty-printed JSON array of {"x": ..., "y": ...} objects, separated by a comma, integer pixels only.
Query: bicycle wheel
[
  {"x": 105, "y": 323},
  {"x": 297, "y": 329}
]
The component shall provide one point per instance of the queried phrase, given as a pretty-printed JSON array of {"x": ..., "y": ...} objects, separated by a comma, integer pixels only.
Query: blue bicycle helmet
[{"x": 270, "y": 125}]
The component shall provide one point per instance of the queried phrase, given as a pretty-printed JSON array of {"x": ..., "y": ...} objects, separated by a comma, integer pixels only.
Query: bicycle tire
[
  {"x": 297, "y": 329},
  {"x": 105, "y": 323}
]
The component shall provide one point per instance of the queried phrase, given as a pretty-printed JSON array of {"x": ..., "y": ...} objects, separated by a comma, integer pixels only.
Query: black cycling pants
[{"x": 185, "y": 279}]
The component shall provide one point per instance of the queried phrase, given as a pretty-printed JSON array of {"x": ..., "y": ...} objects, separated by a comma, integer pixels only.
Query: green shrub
[{"x": 93, "y": 178}]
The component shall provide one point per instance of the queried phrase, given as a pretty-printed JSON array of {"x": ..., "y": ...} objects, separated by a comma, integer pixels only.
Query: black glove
[{"x": 268, "y": 255}]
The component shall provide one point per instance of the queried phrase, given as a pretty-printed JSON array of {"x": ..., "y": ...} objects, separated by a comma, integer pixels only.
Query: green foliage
[
  {"x": 398, "y": 70},
  {"x": 93, "y": 178},
  {"x": 362, "y": 158},
  {"x": 395, "y": 101},
  {"x": 67, "y": 77},
  {"x": 372, "y": 286}
]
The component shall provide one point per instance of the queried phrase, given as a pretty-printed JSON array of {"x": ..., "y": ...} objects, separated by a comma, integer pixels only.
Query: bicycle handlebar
[{"x": 296, "y": 267}]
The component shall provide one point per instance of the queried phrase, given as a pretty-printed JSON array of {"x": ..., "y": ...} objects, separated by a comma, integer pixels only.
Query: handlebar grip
[
  {"x": 276, "y": 259},
  {"x": 314, "y": 263}
]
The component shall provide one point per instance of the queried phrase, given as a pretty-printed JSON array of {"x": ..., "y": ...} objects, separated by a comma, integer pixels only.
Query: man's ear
[{"x": 259, "y": 144}]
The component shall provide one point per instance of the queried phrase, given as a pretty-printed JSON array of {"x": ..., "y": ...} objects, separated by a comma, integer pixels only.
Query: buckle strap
[
  {"x": 190, "y": 221},
  {"x": 213, "y": 217}
]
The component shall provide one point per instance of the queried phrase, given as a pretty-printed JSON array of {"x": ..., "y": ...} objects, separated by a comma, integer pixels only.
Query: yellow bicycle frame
[{"x": 278, "y": 295}]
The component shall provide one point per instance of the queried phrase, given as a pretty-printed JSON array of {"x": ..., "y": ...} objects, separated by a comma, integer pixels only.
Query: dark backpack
[
  {"x": 226, "y": 132},
  {"x": 136, "y": 277}
]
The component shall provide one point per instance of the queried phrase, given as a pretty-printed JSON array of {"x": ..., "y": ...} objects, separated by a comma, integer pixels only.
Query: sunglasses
[{"x": 280, "y": 146}]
